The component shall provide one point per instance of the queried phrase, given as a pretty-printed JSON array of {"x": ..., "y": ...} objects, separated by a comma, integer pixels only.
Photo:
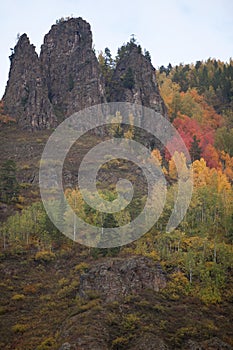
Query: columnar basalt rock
[{"x": 66, "y": 77}]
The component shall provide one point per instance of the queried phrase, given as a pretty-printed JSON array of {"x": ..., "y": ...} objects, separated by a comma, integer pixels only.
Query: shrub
[
  {"x": 163, "y": 324},
  {"x": 112, "y": 319},
  {"x": 19, "y": 328},
  {"x": 30, "y": 289},
  {"x": 118, "y": 342},
  {"x": 51, "y": 305},
  {"x": 3, "y": 285},
  {"x": 63, "y": 282},
  {"x": 46, "y": 297},
  {"x": 144, "y": 303},
  {"x": 153, "y": 255},
  {"x": 44, "y": 256},
  {"x": 131, "y": 298},
  {"x": 159, "y": 308},
  {"x": 177, "y": 286},
  {"x": 19, "y": 206},
  {"x": 82, "y": 267},
  {"x": 210, "y": 326},
  {"x": 92, "y": 294},
  {"x": 25, "y": 167},
  {"x": 69, "y": 290},
  {"x": 34, "y": 193},
  {"x": 46, "y": 344},
  {"x": 25, "y": 185},
  {"x": 2, "y": 256},
  {"x": 184, "y": 333},
  {"x": 18, "y": 297},
  {"x": 3, "y": 310},
  {"x": 130, "y": 322},
  {"x": 21, "y": 199},
  {"x": 210, "y": 295},
  {"x": 92, "y": 304}
]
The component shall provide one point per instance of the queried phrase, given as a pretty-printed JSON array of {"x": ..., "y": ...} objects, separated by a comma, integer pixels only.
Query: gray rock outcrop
[
  {"x": 211, "y": 344},
  {"x": 134, "y": 80},
  {"x": 115, "y": 278},
  {"x": 148, "y": 341},
  {"x": 70, "y": 68},
  {"x": 26, "y": 95}
]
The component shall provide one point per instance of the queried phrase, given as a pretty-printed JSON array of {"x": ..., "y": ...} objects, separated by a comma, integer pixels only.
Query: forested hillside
[{"x": 196, "y": 258}]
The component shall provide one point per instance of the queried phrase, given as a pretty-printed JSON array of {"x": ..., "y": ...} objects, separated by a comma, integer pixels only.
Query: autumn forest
[{"x": 197, "y": 257}]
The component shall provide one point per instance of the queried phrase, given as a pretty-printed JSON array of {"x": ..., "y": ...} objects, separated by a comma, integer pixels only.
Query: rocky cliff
[
  {"x": 134, "y": 79},
  {"x": 26, "y": 95},
  {"x": 70, "y": 68},
  {"x": 66, "y": 77}
]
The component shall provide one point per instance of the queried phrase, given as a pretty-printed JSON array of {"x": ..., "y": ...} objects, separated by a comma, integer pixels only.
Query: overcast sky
[{"x": 172, "y": 30}]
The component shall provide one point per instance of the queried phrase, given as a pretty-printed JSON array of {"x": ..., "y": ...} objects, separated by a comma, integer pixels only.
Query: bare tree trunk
[
  {"x": 74, "y": 237},
  {"x": 190, "y": 274},
  {"x": 4, "y": 241},
  {"x": 215, "y": 251},
  {"x": 178, "y": 247}
]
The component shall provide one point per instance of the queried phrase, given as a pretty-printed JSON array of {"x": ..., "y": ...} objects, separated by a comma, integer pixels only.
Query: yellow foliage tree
[
  {"x": 156, "y": 156},
  {"x": 177, "y": 167}
]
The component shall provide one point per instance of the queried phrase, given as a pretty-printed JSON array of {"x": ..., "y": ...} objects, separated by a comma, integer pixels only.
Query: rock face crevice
[{"x": 66, "y": 78}]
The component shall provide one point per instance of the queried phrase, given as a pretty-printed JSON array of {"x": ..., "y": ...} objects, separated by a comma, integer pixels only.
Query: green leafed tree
[
  {"x": 224, "y": 140},
  {"x": 128, "y": 80},
  {"x": 9, "y": 187},
  {"x": 195, "y": 149}
]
